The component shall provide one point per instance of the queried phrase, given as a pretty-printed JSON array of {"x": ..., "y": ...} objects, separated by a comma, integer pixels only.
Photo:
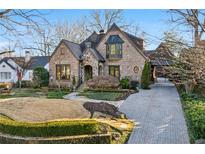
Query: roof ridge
[{"x": 70, "y": 41}]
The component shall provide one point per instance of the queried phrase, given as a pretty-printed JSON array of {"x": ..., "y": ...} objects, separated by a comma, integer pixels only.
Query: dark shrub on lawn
[
  {"x": 125, "y": 82},
  {"x": 103, "y": 82},
  {"x": 40, "y": 77},
  {"x": 103, "y": 108},
  {"x": 145, "y": 79}
]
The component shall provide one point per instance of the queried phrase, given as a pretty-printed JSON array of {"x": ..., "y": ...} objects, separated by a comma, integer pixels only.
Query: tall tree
[
  {"x": 12, "y": 21},
  {"x": 193, "y": 18},
  {"x": 75, "y": 32},
  {"x": 103, "y": 19},
  {"x": 174, "y": 42}
]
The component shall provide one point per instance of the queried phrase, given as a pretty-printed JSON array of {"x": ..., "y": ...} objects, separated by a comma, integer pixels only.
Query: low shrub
[
  {"x": 194, "y": 109},
  {"x": 125, "y": 83},
  {"x": 134, "y": 85},
  {"x": 103, "y": 82},
  {"x": 49, "y": 129}
]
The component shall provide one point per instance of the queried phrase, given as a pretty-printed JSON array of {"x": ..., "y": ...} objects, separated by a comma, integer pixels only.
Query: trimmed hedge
[
  {"x": 49, "y": 129},
  {"x": 82, "y": 139}
]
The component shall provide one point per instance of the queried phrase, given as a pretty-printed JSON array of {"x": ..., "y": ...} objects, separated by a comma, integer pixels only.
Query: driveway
[{"x": 158, "y": 115}]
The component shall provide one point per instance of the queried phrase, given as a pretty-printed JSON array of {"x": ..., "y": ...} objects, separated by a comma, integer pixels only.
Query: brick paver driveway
[{"x": 158, "y": 114}]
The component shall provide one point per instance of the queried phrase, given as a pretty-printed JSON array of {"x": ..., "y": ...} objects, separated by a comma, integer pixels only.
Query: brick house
[{"x": 115, "y": 53}]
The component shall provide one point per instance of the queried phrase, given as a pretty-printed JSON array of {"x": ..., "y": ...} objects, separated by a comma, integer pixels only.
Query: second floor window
[
  {"x": 62, "y": 72},
  {"x": 114, "y": 49},
  {"x": 114, "y": 46}
]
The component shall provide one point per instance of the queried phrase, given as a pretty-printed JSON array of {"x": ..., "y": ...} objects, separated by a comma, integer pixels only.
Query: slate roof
[
  {"x": 38, "y": 61},
  {"x": 74, "y": 48},
  {"x": 160, "y": 56},
  {"x": 94, "y": 38}
]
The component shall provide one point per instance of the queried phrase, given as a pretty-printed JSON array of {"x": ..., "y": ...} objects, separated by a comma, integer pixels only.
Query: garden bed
[
  {"x": 194, "y": 109},
  {"x": 109, "y": 95}
]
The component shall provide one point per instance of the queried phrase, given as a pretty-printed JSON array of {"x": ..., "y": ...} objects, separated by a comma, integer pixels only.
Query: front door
[{"x": 88, "y": 73}]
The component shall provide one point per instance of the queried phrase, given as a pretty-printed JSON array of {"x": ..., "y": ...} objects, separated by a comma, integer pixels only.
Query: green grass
[
  {"x": 56, "y": 94},
  {"x": 49, "y": 129},
  {"x": 194, "y": 109},
  {"x": 110, "y": 96},
  {"x": 32, "y": 92}
]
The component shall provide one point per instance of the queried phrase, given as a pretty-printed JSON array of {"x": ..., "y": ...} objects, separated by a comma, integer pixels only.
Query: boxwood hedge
[{"x": 49, "y": 129}]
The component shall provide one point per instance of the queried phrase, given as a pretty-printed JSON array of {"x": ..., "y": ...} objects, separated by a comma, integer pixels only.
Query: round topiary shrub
[{"x": 103, "y": 82}]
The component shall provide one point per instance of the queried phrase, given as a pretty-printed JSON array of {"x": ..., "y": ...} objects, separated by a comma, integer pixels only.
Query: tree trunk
[{"x": 189, "y": 86}]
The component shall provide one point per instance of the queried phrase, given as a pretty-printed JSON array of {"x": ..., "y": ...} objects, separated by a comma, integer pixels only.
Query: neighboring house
[
  {"x": 7, "y": 54},
  {"x": 115, "y": 53},
  {"x": 10, "y": 65}
]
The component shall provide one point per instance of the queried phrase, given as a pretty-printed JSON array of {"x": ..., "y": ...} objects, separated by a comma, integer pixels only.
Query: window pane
[
  {"x": 63, "y": 69},
  {"x": 113, "y": 49},
  {"x": 68, "y": 72},
  {"x": 112, "y": 71},
  {"x": 118, "y": 48},
  {"x": 117, "y": 72},
  {"x": 58, "y": 73}
]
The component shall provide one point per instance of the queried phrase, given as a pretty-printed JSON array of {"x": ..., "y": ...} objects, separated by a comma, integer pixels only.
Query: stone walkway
[
  {"x": 158, "y": 115},
  {"x": 74, "y": 96}
]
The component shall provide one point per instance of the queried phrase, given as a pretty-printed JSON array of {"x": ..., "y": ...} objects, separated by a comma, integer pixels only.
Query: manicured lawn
[
  {"x": 194, "y": 109},
  {"x": 56, "y": 94},
  {"x": 31, "y": 92},
  {"x": 110, "y": 96}
]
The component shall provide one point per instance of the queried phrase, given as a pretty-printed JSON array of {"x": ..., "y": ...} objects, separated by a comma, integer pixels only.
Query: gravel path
[{"x": 158, "y": 115}]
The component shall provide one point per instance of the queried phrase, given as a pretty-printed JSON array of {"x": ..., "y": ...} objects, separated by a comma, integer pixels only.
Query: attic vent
[{"x": 3, "y": 66}]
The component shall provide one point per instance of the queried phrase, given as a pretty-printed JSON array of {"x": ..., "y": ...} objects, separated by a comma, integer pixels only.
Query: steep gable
[{"x": 134, "y": 41}]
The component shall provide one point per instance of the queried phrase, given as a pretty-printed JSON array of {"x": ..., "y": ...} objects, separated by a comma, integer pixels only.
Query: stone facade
[
  {"x": 62, "y": 55},
  {"x": 93, "y": 59},
  {"x": 89, "y": 59},
  {"x": 131, "y": 58}
]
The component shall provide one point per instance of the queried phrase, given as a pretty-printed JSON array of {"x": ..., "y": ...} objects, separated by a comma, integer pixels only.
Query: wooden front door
[{"x": 88, "y": 72}]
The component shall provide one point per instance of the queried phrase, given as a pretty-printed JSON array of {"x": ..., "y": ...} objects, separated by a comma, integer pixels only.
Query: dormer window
[{"x": 114, "y": 46}]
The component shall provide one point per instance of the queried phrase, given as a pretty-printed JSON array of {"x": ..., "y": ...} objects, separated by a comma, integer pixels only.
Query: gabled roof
[
  {"x": 5, "y": 61},
  {"x": 97, "y": 55},
  {"x": 74, "y": 48},
  {"x": 160, "y": 56},
  {"x": 36, "y": 61},
  {"x": 129, "y": 37}
]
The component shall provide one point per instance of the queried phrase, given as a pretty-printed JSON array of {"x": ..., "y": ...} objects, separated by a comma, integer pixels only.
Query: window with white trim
[{"x": 5, "y": 75}]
